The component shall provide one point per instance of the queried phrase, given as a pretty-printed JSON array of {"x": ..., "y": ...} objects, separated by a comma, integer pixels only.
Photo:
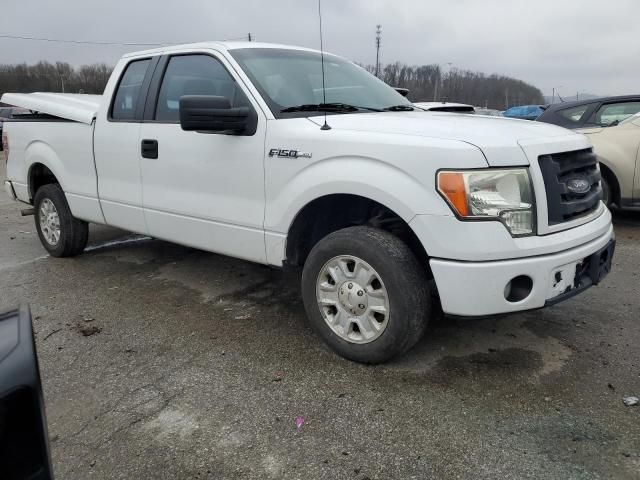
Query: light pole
[
  {"x": 439, "y": 80},
  {"x": 553, "y": 95},
  {"x": 378, "y": 40}
]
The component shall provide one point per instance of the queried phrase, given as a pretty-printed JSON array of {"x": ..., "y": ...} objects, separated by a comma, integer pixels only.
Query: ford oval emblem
[{"x": 579, "y": 185}]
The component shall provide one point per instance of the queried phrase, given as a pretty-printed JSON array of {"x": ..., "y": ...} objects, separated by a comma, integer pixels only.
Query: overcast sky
[{"x": 581, "y": 45}]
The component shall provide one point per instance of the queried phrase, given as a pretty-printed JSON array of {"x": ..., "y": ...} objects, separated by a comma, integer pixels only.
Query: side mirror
[
  {"x": 402, "y": 91},
  {"x": 212, "y": 114},
  {"x": 24, "y": 442}
]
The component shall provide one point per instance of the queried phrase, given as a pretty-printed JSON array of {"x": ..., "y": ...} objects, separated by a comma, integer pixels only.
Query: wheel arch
[
  {"x": 44, "y": 166},
  {"x": 332, "y": 212},
  {"x": 38, "y": 175},
  {"x": 612, "y": 179}
]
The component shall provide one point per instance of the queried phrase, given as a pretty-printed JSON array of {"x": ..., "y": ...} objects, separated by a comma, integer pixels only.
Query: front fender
[{"x": 363, "y": 176}]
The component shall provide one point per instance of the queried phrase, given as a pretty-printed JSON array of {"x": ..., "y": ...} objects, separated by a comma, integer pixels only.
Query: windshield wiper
[
  {"x": 400, "y": 108},
  {"x": 327, "y": 107}
]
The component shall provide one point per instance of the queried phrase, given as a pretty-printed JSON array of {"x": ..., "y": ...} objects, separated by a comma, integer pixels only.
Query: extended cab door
[
  {"x": 116, "y": 144},
  {"x": 205, "y": 190}
]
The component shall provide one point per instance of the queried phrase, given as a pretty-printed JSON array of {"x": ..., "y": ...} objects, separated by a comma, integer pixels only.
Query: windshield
[{"x": 290, "y": 78}]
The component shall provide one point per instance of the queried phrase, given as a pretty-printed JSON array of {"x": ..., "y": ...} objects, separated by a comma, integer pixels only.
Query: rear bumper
[
  {"x": 480, "y": 288},
  {"x": 8, "y": 187}
]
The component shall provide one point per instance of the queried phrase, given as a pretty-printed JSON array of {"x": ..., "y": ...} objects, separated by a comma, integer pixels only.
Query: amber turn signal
[{"x": 451, "y": 185}]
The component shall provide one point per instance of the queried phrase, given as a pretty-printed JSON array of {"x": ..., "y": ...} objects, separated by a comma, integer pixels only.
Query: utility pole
[
  {"x": 553, "y": 95},
  {"x": 250, "y": 39},
  {"x": 378, "y": 40},
  {"x": 439, "y": 79}
]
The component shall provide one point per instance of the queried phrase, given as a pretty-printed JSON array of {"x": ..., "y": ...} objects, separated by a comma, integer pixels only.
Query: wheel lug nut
[
  {"x": 361, "y": 306},
  {"x": 360, "y": 293},
  {"x": 350, "y": 286}
]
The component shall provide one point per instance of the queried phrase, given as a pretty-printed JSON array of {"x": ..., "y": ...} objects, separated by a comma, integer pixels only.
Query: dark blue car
[{"x": 525, "y": 112}]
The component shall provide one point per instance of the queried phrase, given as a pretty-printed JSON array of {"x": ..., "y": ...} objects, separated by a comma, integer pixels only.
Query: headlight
[{"x": 493, "y": 194}]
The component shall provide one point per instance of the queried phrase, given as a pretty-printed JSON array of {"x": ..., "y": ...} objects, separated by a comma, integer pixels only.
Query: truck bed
[
  {"x": 58, "y": 135},
  {"x": 77, "y": 107}
]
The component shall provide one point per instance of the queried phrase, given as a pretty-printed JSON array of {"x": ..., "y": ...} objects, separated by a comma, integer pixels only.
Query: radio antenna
[{"x": 324, "y": 90}]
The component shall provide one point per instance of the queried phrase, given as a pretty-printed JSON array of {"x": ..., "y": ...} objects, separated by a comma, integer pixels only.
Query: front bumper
[{"x": 481, "y": 288}]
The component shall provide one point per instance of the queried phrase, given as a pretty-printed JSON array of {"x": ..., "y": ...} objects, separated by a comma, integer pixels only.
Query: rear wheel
[
  {"x": 60, "y": 233},
  {"x": 365, "y": 294}
]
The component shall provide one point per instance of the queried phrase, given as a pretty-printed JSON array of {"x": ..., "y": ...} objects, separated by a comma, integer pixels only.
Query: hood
[{"x": 498, "y": 138}]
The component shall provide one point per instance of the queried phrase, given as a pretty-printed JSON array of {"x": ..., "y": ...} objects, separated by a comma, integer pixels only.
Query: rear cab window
[
  {"x": 574, "y": 114},
  {"x": 127, "y": 96}
]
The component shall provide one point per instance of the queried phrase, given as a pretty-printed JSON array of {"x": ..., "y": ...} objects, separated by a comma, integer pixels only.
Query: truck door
[
  {"x": 116, "y": 144},
  {"x": 205, "y": 190}
]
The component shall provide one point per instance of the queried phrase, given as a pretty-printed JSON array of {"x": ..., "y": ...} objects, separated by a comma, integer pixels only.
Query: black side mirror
[
  {"x": 402, "y": 91},
  {"x": 212, "y": 114},
  {"x": 24, "y": 442}
]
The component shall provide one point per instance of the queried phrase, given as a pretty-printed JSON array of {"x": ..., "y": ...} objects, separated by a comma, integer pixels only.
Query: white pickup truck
[{"x": 239, "y": 149}]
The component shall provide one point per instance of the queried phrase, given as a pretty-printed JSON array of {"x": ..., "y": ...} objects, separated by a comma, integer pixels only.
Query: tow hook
[{"x": 27, "y": 212}]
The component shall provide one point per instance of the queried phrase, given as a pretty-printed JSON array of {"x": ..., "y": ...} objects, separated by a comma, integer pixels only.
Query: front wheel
[
  {"x": 61, "y": 234},
  {"x": 366, "y": 294}
]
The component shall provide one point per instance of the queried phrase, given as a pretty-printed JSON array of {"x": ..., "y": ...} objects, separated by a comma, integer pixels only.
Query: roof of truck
[{"x": 216, "y": 45}]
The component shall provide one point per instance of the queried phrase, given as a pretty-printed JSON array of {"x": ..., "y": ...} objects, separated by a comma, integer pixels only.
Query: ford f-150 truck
[{"x": 389, "y": 212}]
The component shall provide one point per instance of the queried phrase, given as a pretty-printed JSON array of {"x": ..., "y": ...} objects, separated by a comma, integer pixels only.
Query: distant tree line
[
  {"x": 58, "y": 77},
  {"x": 428, "y": 83}
]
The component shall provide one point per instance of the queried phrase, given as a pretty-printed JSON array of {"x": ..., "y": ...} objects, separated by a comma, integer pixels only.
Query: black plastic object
[
  {"x": 214, "y": 114},
  {"x": 558, "y": 170},
  {"x": 24, "y": 444},
  {"x": 149, "y": 148}
]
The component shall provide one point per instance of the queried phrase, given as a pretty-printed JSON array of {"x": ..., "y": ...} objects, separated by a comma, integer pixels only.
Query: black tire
[
  {"x": 405, "y": 280},
  {"x": 74, "y": 233}
]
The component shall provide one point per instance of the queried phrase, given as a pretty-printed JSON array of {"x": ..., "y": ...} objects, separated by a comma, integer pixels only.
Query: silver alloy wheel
[
  {"x": 49, "y": 222},
  {"x": 352, "y": 299}
]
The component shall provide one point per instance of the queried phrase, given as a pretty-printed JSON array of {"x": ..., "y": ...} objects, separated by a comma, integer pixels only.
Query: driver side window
[
  {"x": 614, "y": 112},
  {"x": 195, "y": 75}
]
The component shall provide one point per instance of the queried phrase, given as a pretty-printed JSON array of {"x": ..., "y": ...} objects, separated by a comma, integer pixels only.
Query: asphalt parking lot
[{"x": 160, "y": 361}]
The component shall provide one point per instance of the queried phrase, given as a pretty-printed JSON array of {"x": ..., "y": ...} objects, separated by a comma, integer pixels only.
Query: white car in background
[{"x": 445, "y": 107}]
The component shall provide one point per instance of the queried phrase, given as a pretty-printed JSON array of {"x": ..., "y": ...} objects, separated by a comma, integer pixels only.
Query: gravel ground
[{"x": 160, "y": 361}]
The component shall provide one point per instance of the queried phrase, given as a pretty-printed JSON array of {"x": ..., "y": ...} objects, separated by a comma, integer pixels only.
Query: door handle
[{"x": 149, "y": 148}]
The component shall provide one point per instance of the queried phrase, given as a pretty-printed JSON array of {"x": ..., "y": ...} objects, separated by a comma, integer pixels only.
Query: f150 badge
[{"x": 284, "y": 153}]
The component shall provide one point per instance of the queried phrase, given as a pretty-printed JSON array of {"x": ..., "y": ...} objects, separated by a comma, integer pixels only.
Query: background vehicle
[
  {"x": 525, "y": 112},
  {"x": 445, "y": 107},
  {"x": 618, "y": 151},
  {"x": 592, "y": 113},
  {"x": 380, "y": 206},
  {"x": 24, "y": 443},
  {"x": 7, "y": 113},
  {"x": 488, "y": 112}
]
